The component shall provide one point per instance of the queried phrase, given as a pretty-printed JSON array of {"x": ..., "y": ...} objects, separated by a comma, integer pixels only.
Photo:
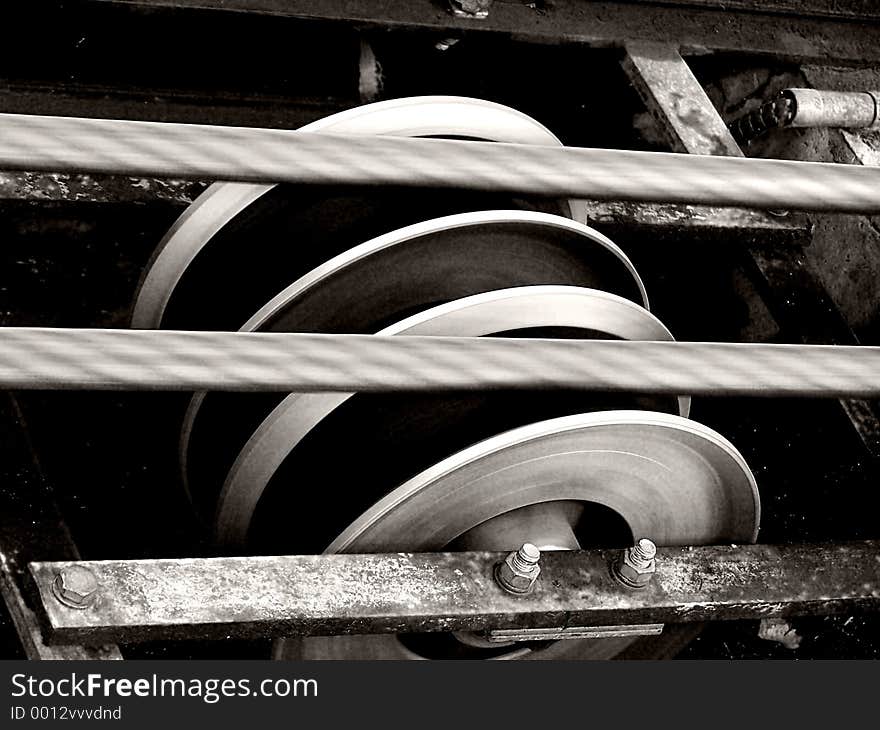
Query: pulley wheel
[
  {"x": 389, "y": 278},
  {"x": 660, "y": 475},
  {"x": 580, "y": 311},
  {"x": 240, "y": 243}
]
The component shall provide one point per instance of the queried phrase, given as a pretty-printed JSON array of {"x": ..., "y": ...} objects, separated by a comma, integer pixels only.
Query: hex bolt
[
  {"x": 519, "y": 571},
  {"x": 643, "y": 552},
  {"x": 75, "y": 587},
  {"x": 636, "y": 565}
]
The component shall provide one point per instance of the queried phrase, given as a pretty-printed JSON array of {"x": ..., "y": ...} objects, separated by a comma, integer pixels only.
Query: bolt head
[
  {"x": 635, "y": 574},
  {"x": 513, "y": 578},
  {"x": 76, "y": 587}
]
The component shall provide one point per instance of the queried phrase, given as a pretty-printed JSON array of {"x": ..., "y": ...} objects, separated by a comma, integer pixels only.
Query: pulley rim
[
  {"x": 482, "y": 314},
  {"x": 490, "y": 478},
  {"x": 415, "y": 266},
  {"x": 413, "y": 116}
]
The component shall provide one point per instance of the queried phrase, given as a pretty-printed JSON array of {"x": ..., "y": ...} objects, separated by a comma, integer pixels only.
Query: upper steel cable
[
  {"x": 90, "y": 359},
  {"x": 61, "y": 144}
]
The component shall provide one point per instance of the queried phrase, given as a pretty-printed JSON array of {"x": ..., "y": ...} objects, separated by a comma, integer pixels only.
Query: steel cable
[
  {"x": 61, "y": 144},
  {"x": 46, "y": 358}
]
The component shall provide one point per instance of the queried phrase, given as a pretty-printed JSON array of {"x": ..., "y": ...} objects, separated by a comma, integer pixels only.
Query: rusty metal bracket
[{"x": 217, "y": 598}]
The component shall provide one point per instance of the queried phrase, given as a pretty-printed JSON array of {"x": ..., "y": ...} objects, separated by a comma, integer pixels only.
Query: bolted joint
[
  {"x": 636, "y": 565},
  {"x": 519, "y": 571},
  {"x": 75, "y": 587}
]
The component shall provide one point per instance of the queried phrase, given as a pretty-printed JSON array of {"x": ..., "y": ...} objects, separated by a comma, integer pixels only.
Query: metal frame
[
  {"x": 799, "y": 303},
  {"x": 826, "y": 32},
  {"x": 359, "y": 594},
  {"x": 213, "y": 598}
]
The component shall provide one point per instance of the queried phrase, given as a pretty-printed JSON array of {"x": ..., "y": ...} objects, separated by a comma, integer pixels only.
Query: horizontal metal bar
[
  {"x": 601, "y": 24},
  {"x": 340, "y": 10},
  {"x": 861, "y": 9},
  {"x": 61, "y": 144},
  {"x": 96, "y": 359},
  {"x": 345, "y": 594},
  {"x": 47, "y": 189}
]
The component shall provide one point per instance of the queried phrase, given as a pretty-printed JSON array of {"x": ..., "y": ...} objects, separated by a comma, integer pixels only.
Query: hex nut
[
  {"x": 634, "y": 573},
  {"x": 75, "y": 587},
  {"x": 511, "y": 576}
]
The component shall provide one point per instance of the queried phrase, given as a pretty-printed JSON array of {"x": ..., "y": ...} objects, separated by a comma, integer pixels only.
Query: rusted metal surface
[
  {"x": 861, "y": 9},
  {"x": 697, "y": 217},
  {"x": 395, "y": 593},
  {"x": 797, "y": 300},
  {"x": 30, "y": 528},
  {"x": 72, "y": 188},
  {"x": 598, "y": 24},
  {"x": 675, "y": 98},
  {"x": 60, "y": 187}
]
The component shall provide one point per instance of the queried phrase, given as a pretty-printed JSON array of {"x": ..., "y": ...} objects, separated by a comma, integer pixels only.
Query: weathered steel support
[
  {"x": 216, "y": 598},
  {"x": 797, "y": 300},
  {"x": 824, "y": 31},
  {"x": 676, "y": 100}
]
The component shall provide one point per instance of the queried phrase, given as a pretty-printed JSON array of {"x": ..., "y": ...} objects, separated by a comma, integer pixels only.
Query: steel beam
[
  {"x": 216, "y": 598},
  {"x": 859, "y": 9},
  {"x": 676, "y": 100},
  {"x": 815, "y": 31},
  {"x": 49, "y": 188},
  {"x": 800, "y": 304}
]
